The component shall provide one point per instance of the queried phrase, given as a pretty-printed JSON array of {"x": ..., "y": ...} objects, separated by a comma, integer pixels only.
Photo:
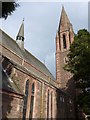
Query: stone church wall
[
  {"x": 57, "y": 106},
  {"x": 11, "y": 105}
]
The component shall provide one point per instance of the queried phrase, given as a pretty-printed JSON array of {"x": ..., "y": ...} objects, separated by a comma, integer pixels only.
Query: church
[{"x": 28, "y": 88}]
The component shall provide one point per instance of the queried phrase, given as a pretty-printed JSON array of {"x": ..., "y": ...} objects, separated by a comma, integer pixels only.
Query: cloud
[{"x": 50, "y": 63}]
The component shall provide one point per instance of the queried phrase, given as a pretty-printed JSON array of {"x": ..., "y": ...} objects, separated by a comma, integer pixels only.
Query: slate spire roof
[
  {"x": 21, "y": 30},
  {"x": 20, "y": 36},
  {"x": 64, "y": 21}
]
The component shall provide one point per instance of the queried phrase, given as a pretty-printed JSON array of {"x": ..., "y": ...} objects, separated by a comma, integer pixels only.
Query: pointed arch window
[
  {"x": 48, "y": 104},
  {"x": 32, "y": 101},
  {"x": 69, "y": 38},
  {"x": 33, "y": 88},
  {"x": 25, "y": 99},
  {"x": 51, "y": 105},
  {"x": 64, "y": 41}
]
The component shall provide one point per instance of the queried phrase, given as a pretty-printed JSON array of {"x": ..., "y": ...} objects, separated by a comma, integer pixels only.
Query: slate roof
[
  {"x": 12, "y": 45},
  {"x": 7, "y": 83},
  {"x": 21, "y": 30}
]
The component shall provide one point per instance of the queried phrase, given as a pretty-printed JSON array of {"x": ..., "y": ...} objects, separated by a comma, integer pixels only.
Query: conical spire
[
  {"x": 21, "y": 30},
  {"x": 64, "y": 21},
  {"x": 20, "y": 36}
]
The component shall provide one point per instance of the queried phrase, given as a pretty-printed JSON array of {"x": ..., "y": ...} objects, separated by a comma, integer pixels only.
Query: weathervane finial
[{"x": 23, "y": 19}]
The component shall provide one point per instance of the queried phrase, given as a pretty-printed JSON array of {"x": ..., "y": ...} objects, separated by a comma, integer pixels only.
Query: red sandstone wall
[{"x": 40, "y": 96}]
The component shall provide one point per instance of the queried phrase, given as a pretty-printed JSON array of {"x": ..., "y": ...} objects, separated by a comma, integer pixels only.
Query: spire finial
[
  {"x": 23, "y": 19},
  {"x": 62, "y": 6},
  {"x": 20, "y": 35}
]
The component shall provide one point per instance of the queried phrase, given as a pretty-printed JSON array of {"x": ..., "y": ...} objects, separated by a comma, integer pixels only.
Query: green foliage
[
  {"x": 8, "y": 8},
  {"x": 79, "y": 56},
  {"x": 79, "y": 64},
  {"x": 83, "y": 100}
]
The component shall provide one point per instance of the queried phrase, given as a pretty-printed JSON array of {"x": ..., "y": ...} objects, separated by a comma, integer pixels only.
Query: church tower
[
  {"x": 64, "y": 39},
  {"x": 20, "y": 36}
]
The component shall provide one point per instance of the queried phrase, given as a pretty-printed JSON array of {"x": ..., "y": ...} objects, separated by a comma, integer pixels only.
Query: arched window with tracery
[
  {"x": 25, "y": 99},
  {"x": 32, "y": 101},
  {"x": 64, "y": 41}
]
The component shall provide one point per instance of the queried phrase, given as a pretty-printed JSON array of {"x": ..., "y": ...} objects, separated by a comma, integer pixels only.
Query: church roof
[
  {"x": 26, "y": 55},
  {"x": 8, "y": 84}
]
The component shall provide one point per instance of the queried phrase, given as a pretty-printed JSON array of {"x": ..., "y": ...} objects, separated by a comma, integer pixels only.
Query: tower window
[
  {"x": 20, "y": 38},
  {"x": 69, "y": 38},
  {"x": 64, "y": 41}
]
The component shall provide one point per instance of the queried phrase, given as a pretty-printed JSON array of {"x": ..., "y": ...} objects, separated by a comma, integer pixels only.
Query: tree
[
  {"x": 8, "y": 8},
  {"x": 79, "y": 64}
]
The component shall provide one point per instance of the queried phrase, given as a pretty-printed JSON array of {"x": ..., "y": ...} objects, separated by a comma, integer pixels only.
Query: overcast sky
[{"x": 41, "y": 23}]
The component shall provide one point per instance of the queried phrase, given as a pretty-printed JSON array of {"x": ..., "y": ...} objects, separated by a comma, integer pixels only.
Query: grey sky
[{"x": 41, "y": 23}]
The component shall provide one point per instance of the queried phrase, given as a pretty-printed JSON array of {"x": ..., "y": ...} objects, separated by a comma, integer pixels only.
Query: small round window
[{"x": 65, "y": 60}]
